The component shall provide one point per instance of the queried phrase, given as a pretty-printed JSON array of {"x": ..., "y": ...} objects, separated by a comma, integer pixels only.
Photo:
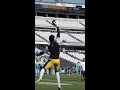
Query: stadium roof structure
[
  {"x": 81, "y": 2},
  {"x": 61, "y": 4},
  {"x": 64, "y": 23}
]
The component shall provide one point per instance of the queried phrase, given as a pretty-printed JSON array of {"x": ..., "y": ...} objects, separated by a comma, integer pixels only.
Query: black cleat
[{"x": 59, "y": 88}]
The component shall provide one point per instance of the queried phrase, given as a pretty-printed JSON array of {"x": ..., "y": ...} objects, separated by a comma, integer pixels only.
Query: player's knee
[
  {"x": 43, "y": 68},
  {"x": 56, "y": 71}
]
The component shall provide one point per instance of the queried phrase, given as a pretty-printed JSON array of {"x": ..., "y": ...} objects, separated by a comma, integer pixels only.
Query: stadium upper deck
[
  {"x": 66, "y": 8},
  {"x": 82, "y": 2},
  {"x": 61, "y": 4}
]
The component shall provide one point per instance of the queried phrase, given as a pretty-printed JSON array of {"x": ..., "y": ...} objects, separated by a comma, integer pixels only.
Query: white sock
[
  {"x": 41, "y": 73},
  {"x": 58, "y": 78}
]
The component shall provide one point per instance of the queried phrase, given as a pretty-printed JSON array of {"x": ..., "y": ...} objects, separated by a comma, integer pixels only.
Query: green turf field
[{"x": 68, "y": 82}]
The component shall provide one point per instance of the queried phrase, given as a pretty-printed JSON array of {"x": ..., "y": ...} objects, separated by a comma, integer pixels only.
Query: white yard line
[
  {"x": 52, "y": 83},
  {"x": 63, "y": 81}
]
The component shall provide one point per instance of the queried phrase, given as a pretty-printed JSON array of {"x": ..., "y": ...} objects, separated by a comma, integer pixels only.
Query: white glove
[{"x": 55, "y": 23}]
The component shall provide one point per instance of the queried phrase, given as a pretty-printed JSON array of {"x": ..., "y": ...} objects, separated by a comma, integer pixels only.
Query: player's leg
[
  {"x": 56, "y": 66},
  {"x": 47, "y": 65},
  {"x": 81, "y": 75},
  {"x": 41, "y": 74},
  {"x": 69, "y": 71},
  {"x": 84, "y": 76}
]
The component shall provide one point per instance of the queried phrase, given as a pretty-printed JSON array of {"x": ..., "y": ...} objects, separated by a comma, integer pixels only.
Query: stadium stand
[
  {"x": 38, "y": 39},
  {"x": 78, "y": 55},
  {"x": 63, "y": 23},
  {"x": 64, "y": 36},
  {"x": 68, "y": 57},
  {"x": 79, "y": 36}
]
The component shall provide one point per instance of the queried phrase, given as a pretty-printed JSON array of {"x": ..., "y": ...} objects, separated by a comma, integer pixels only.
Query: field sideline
[{"x": 68, "y": 82}]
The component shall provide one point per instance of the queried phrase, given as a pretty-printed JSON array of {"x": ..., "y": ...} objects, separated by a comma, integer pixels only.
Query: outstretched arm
[
  {"x": 41, "y": 53},
  {"x": 55, "y": 23},
  {"x": 58, "y": 32}
]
